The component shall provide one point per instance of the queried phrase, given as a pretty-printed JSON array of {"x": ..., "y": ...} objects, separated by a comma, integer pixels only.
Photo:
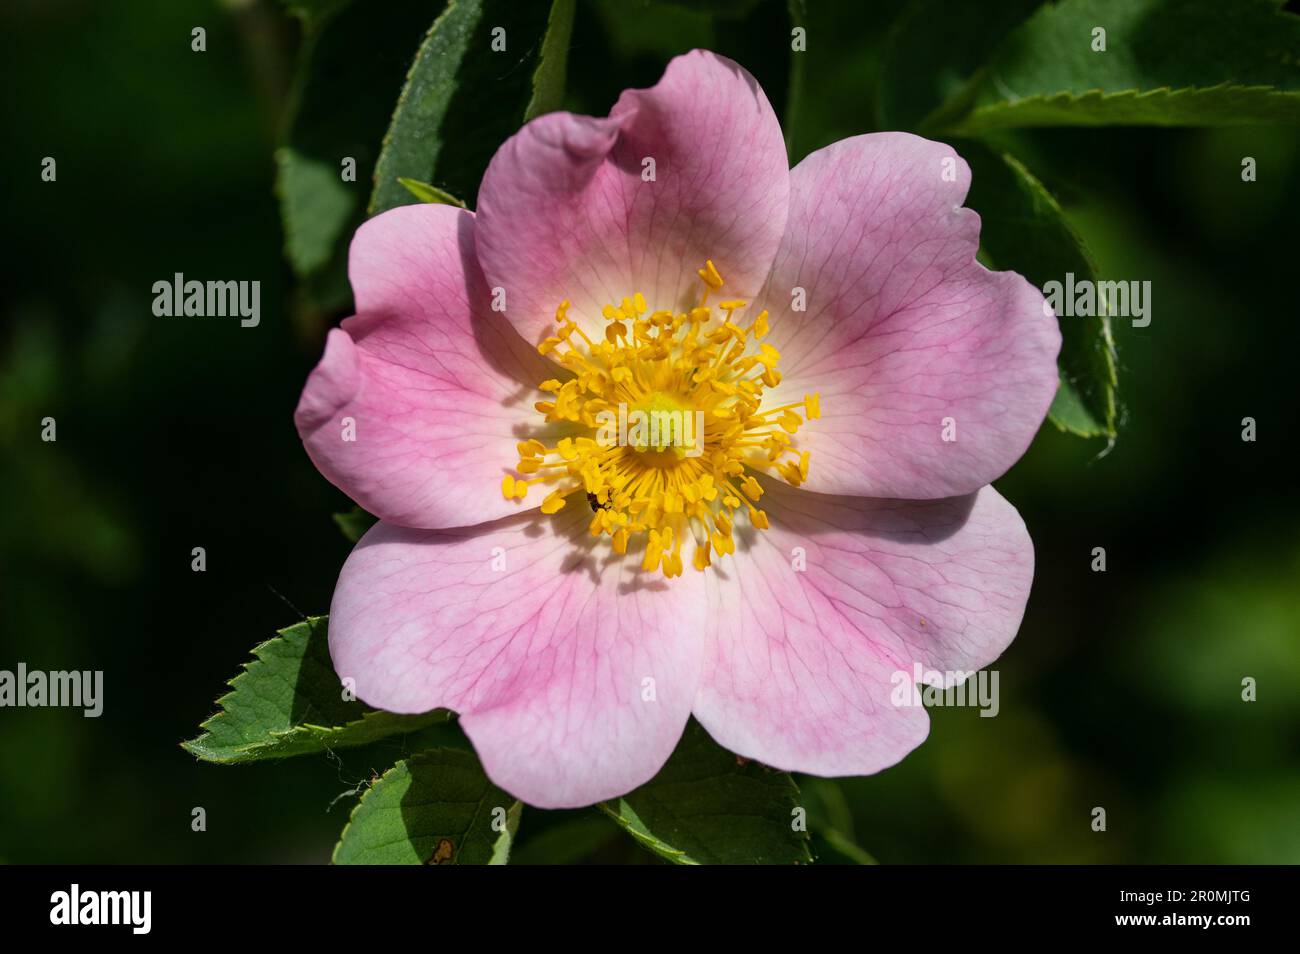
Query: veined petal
[
  {"x": 934, "y": 372},
  {"x": 572, "y": 673},
  {"x": 420, "y": 397},
  {"x": 590, "y": 210},
  {"x": 815, "y": 618}
]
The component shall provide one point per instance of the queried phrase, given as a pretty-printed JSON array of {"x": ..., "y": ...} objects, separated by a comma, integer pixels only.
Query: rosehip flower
[{"x": 859, "y": 380}]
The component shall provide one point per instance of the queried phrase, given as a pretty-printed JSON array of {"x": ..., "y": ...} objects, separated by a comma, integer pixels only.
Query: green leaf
[
  {"x": 462, "y": 98},
  {"x": 288, "y": 701},
  {"x": 934, "y": 49},
  {"x": 548, "y": 78},
  {"x": 316, "y": 208},
  {"x": 428, "y": 193},
  {"x": 436, "y": 807},
  {"x": 1166, "y": 63},
  {"x": 354, "y": 523},
  {"x": 830, "y": 823},
  {"x": 1024, "y": 229},
  {"x": 706, "y": 806},
  {"x": 350, "y": 64}
]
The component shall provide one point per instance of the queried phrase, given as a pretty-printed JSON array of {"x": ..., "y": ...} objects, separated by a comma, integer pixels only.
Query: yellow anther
[
  {"x": 701, "y": 560},
  {"x": 513, "y": 489},
  {"x": 673, "y": 564},
  {"x": 709, "y": 273},
  {"x": 670, "y": 486}
]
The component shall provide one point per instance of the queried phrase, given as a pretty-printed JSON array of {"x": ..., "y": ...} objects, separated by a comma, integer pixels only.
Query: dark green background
[{"x": 1122, "y": 689}]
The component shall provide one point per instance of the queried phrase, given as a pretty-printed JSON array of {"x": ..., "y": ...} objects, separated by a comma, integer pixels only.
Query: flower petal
[
  {"x": 438, "y": 389},
  {"x": 565, "y": 210},
  {"x": 546, "y": 659},
  {"x": 802, "y": 664},
  {"x": 904, "y": 332}
]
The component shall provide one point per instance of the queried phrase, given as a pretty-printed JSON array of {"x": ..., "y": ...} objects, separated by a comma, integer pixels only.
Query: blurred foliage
[{"x": 1123, "y": 689}]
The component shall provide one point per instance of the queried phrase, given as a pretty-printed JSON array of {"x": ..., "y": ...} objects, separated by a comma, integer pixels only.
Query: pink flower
[{"x": 860, "y": 378}]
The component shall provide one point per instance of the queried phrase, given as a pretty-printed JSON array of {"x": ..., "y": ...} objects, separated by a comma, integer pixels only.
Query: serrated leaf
[
  {"x": 354, "y": 523},
  {"x": 462, "y": 98},
  {"x": 1023, "y": 229},
  {"x": 1166, "y": 62},
  {"x": 1219, "y": 105},
  {"x": 706, "y": 806},
  {"x": 288, "y": 701},
  {"x": 934, "y": 49},
  {"x": 428, "y": 193},
  {"x": 436, "y": 807}
]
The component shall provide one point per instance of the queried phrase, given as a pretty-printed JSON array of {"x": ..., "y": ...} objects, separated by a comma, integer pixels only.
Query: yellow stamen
[{"x": 689, "y": 366}]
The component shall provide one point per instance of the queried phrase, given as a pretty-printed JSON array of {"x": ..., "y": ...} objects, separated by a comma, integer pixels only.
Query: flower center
[{"x": 662, "y": 424}]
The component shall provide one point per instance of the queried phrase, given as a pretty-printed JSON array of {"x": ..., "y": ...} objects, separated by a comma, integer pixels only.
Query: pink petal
[
  {"x": 564, "y": 212},
  {"x": 800, "y": 665},
  {"x": 903, "y": 328},
  {"x": 438, "y": 387},
  {"x": 547, "y": 660}
]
